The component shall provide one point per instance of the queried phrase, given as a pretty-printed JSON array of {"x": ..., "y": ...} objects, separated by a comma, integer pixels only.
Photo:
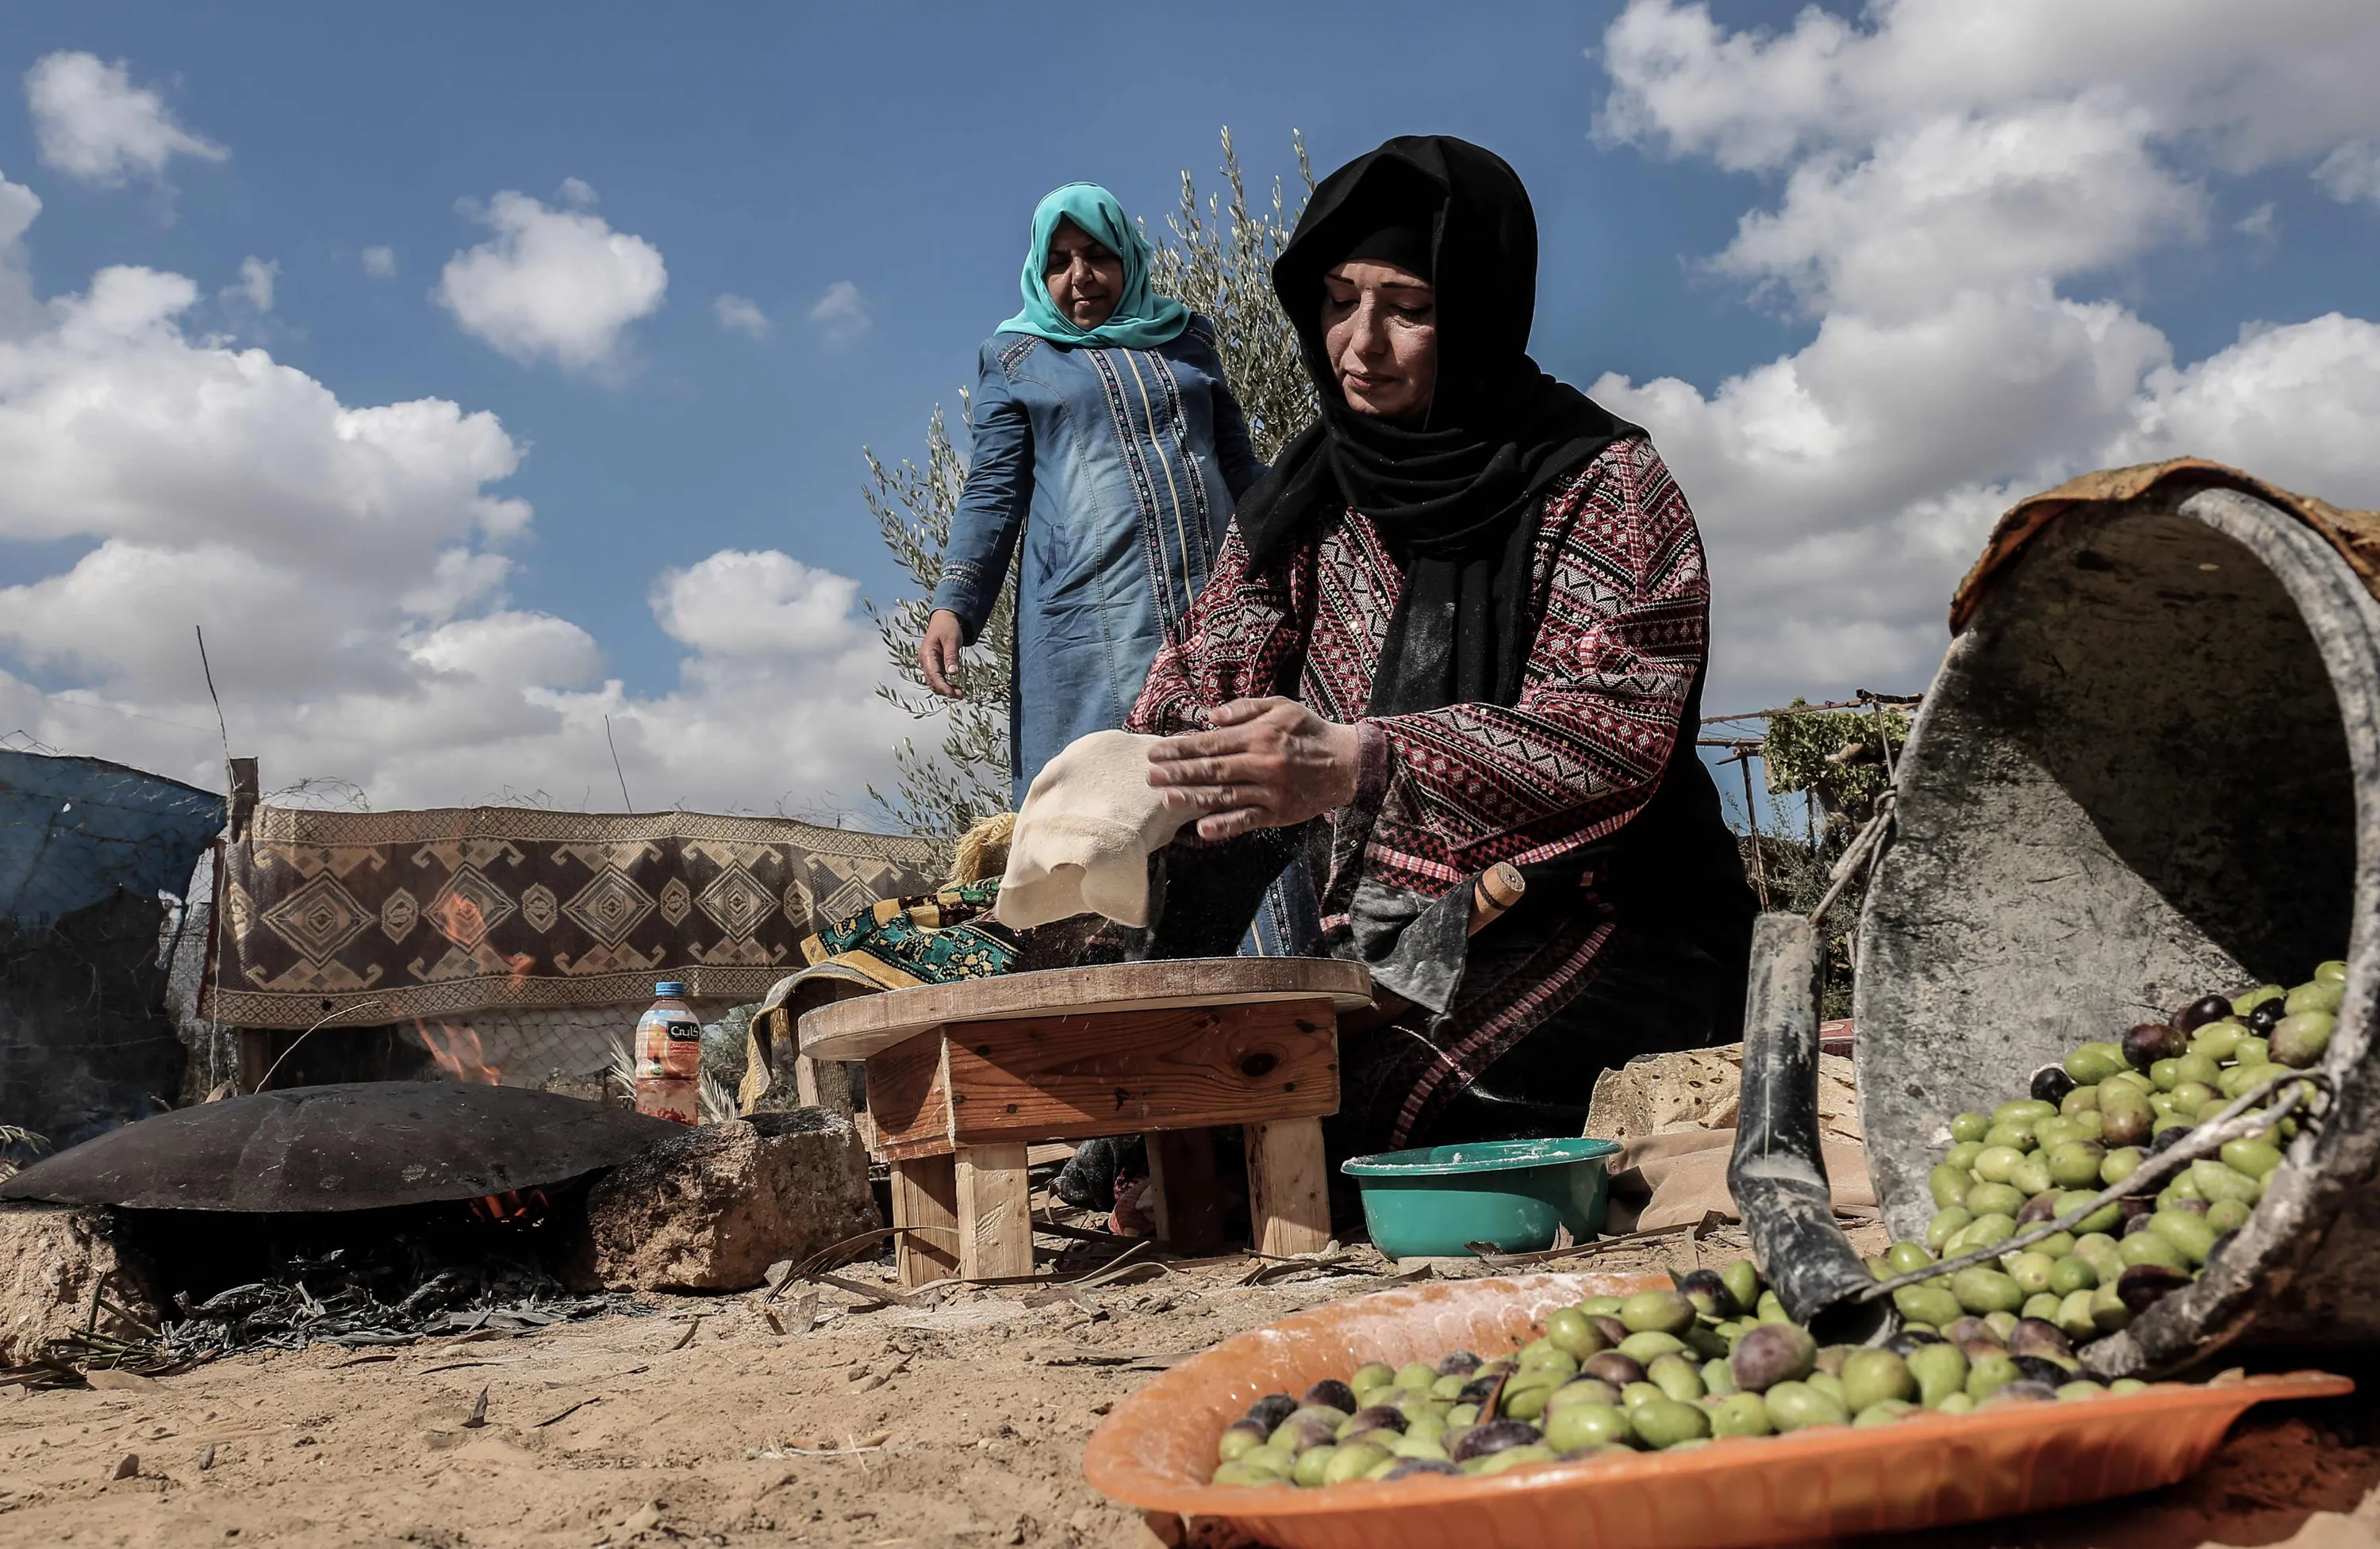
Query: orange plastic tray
[{"x": 1155, "y": 1451}]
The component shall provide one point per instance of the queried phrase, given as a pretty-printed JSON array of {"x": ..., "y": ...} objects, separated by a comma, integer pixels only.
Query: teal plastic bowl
[{"x": 1435, "y": 1201}]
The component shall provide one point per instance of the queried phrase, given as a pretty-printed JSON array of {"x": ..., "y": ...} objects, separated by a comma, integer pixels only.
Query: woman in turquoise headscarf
[{"x": 1105, "y": 434}]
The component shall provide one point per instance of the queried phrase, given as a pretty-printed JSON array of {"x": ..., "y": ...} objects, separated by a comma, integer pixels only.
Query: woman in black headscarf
[{"x": 1462, "y": 620}]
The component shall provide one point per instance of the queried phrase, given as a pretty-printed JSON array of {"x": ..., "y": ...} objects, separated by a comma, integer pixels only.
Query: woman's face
[
  {"x": 1379, "y": 327},
  {"x": 1084, "y": 277}
]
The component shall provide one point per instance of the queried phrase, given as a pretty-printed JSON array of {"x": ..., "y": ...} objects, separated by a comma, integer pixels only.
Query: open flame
[
  {"x": 457, "y": 1052},
  {"x": 510, "y": 1205}
]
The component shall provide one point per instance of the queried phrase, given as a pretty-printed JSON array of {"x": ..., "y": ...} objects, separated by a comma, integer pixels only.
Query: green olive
[
  {"x": 2192, "y": 1098},
  {"x": 1719, "y": 1376},
  {"x": 2075, "y": 1317},
  {"x": 2092, "y": 1063},
  {"x": 1743, "y": 1282},
  {"x": 1576, "y": 1425},
  {"x": 1417, "y": 1374},
  {"x": 2216, "y": 1181},
  {"x": 2075, "y": 1164},
  {"x": 2042, "y": 1305},
  {"x": 2029, "y": 1269},
  {"x": 1509, "y": 1459},
  {"x": 2254, "y": 1051},
  {"x": 2016, "y": 1137},
  {"x": 1353, "y": 1461},
  {"x": 1600, "y": 1306},
  {"x": 2197, "y": 1067},
  {"x": 2123, "y": 1386},
  {"x": 1460, "y": 1416},
  {"x": 2254, "y": 1157},
  {"x": 2080, "y": 1389},
  {"x": 2050, "y": 1133},
  {"x": 2126, "y": 1117},
  {"x": 1891, "y": 1412},
  {"x": 2227, "y": 1216},
  {"x": 2081, "y": 1100},
  {"x": 1247, "y": 1474},
  {"x": 1794, "y": 1406},
  {"x": 2072, "y": 1273},
  {"x": 1312, "y": 1465},
  {"x": 1989, "y": 1372},
  {"x": 1938, "y": 1369},
  {"x": 1677, "y": 1376},
  {"x": 1771, "y": 1309},
  {"x": 1993, "y": 1164},
  {"x": 1645, "y": 1348},
  {"x": 1871, "y": 1377},
  {"x": 1994, "y": 1199},
  {"x": 2218, "y": 1040},
  {"x": 1410, "y": 1445},
  {"x": 1969, "y": 1126},
  {"x": 1657, "y": 1311},
  {"x": 1949, "y": 1186},
  {"x": 2317, "y": 995},
  {"x": 2165, "y": 1072},
  {"x": 2106, "y": 1218},
  {"x": 1525, "y": 1399},
  {"x": 1905, "y": 1257},
  {"x": 2032, "y": 1176},
  {"x": 2118, "y": 1164},
  {"x": 2333, "y": 971},
  {"x": 2108, "y": 1312},
  {"x": 1373, "y": 1373},
  {"x": 2058, "y": 1244},
  {"x": 2193, "y": 1234},
  {"x": 1568, "y": 1330},
  {"x": 1963, "y": 1155},
  {"x": 1637, "y": 1393},
  {"x": 1825, "y": 1382},
  {"x": 1547, "y": 1358},
  {"x": 2153, "y": 1247},
  {"x": 1740, "y": 1414},
  {"x": 1665, "y": 1422},
  {"x": 1946, "y": 1224},
  {"x": 2300, "y": 1040},
  {"x": 1920, "y": 1303}
]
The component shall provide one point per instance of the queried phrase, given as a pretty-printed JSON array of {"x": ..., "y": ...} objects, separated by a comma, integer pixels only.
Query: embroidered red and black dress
[{"x": 1589, "y": 782}]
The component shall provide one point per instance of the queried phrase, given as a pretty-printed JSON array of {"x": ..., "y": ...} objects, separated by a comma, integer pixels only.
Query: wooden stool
[{"x": 962, "y": 1077}]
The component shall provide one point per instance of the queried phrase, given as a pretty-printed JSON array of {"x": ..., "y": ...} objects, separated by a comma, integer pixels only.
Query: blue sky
[{"x": 768, "y": 154}]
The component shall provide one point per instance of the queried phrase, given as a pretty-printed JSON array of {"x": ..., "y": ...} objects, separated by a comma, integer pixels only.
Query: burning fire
[
  {"x": 457, "y": 1052},
  {"x": 510, "y": 1205}
]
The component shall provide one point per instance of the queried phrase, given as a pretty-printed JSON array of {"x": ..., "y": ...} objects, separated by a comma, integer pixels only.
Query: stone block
[
  {"x": 710, "y": 1210},
  {"x": 51, "y": 1256}
]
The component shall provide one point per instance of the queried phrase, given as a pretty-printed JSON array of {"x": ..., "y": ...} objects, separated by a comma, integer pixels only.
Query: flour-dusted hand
[
  {"x": 1268, "y": 764},
  {"x": 938, "y": 653}
]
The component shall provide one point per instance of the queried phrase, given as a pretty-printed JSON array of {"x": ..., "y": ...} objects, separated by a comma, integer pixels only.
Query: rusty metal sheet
[{"x": 354, "y": 1147}]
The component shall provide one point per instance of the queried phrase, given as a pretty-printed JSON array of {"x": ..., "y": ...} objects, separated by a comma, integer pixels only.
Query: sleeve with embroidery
[{"x": 1242, "y": 640}]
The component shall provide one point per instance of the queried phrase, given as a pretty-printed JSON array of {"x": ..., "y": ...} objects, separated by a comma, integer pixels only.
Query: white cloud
[
  {"x": 350, "y": 566},
  {"x": 379, "y": 262},
  {"x": 742, "y": 314},
  {"x": 577, "y": 191},
  {"x": 255, "y": 287},
  {"x": 1952, "y": 180},
  {"x": 2351, "y": 173},
  {"x": 840, "y": 313},
  {"x": 553, "y": 283},
  {"x": 93, "y": 123}
]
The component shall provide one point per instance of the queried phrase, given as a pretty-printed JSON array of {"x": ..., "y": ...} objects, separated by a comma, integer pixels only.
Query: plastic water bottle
[{"x": 669, "y": 1057}]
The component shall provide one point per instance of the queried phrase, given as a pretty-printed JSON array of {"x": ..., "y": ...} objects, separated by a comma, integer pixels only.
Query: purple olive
[
  {"x": 1909, "y": 1339},
  {"x": 2051, "y": 1083},
  {"x": 2040, "y": 1368},
  {"x": 1457, "y": 1363},
  {"x": 2039, "y": 1208},
  {"x": 2024, "y": 1390},
  {"x": 1612, "y": 1367},
  {"x": 1271, "y": 1410},
  {"x": 1332, "y": 1394},
  {"x": 1408, "y": 1466},
  {"x": 2139, "y": 1205},
  {"x": 1612, "y": 1328},
  {"x": 1378, "y": 1416},
  {"x": 2135, "y": 1226},
  {"x": 1709, "y": 1294},
  {"x": 2168, "y": 1139},
  {"x": 2149, "y": 1041},
  {"x": 2143, "y": 1285},
  {"x": 1493, "y": 1436},
  {"x": 1976, "y": 1348},
  {"x": 1479, "y": 1390},
  {"x": 2199, "y": 1012},
  {"x": 2039, "y": 1336},
  {"x": 1970, "y": 1327},
  {"x": 2267, "y": 1016},
  {"x": 1772, "y": 1353},
  {"x": 2196, "y": 1207}
]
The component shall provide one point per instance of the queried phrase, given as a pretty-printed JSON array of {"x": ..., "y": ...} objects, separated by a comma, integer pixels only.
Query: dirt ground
[{"x": 960, "y": 1424}]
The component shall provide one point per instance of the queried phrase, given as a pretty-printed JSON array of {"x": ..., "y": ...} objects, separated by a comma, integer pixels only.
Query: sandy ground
[{"x": 959, "y": 1425}]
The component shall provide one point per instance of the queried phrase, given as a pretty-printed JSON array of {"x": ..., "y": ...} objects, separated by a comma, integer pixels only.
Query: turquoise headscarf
[{"x": 1142, "y": 320}]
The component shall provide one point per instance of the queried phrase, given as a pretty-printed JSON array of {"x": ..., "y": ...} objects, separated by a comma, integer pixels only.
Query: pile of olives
[
  {"x": 1716, "y": 1356},
  {"x": 1660, "y": 1370},
  {"x": 2088, "y": 1125}
]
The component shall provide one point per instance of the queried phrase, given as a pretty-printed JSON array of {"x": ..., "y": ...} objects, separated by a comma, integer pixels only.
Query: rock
[
  {"x": 713, "y": 1208},
  {"x": 1697, "y": 1089},
  {"x": 51, "y": 1256}
]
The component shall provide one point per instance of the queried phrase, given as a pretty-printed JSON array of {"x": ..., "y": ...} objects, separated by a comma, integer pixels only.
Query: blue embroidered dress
[{"x": 1118, "y": 467}]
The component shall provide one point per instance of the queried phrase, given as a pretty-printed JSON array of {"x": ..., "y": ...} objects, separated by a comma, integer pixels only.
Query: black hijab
[{"x": 1457, "y": 497}]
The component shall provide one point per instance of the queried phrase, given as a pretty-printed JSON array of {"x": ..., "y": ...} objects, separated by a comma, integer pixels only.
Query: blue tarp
[{"x": 75, "y": 831}]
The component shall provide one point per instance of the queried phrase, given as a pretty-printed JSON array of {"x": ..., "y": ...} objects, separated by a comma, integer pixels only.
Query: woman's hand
[
  {"x": 1268, "y": 764},
  {"x": 938, "y": 653}
]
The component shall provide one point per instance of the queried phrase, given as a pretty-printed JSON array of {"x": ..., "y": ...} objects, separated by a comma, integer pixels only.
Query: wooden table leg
[
  {"x": 925, "y": 1195},
  {"x": 1289, "y": 1200},
  {"x": 995, "y": 1210},
  {"x": 1189, "y": 1201}
]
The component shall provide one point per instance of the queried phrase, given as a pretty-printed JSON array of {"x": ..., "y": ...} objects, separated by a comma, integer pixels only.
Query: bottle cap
[{"x": 670, "y": 986}]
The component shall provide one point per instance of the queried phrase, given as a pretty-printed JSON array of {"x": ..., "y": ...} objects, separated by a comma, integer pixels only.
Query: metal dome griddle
[{"x": 358, "y": 1145}]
